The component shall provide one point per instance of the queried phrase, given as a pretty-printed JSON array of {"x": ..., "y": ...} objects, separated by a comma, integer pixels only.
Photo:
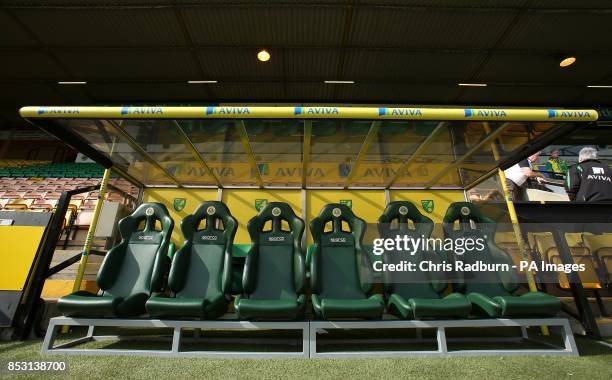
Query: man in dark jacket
[{"x": 590, "y": 179}]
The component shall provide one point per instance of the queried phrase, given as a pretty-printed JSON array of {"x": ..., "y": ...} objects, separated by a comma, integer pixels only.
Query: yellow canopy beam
[{"x": 309, "y": 112}]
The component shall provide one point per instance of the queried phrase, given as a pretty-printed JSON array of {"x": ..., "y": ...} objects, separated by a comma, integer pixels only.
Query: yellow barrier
[
  {"x": 21, "y": 244},
  {"x": 309, "y": 112}
]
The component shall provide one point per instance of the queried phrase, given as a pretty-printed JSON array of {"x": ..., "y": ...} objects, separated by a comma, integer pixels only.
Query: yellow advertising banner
[{"x": 330, "y": 174}]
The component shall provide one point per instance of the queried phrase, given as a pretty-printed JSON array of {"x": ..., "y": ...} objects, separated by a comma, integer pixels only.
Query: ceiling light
[
  {"x": 472, "y": 84},
  {"x": 567, "y": 61},
  {"x": 78, "y": 82},
  {"x": 263, "y": 55},
  {"x": 201, "y": 81},
  {"x": 599, "y": 86},
  {"x": 339, "y": 81}
]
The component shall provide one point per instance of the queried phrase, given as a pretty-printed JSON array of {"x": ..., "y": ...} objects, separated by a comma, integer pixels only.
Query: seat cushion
[
  {"x": 85, "y": 304},
  {"x": 248, "y": 308},
  {"x": 161, "y": 306},
  {"x": 534, "y": 304},
  {"x": 454, "y": 305},
  {"x": 529, "y": 304},
  {"x": 132, "y": 305},
  {"x": 483, "y": 305},
  {"x": 216, "y": 307},
  {"x": 332, "y": 308}
]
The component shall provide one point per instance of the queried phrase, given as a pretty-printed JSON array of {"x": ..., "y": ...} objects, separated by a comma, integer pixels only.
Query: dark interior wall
[
  {"x": 30, "y": 143},
  {"x": 35, "y": 150}
]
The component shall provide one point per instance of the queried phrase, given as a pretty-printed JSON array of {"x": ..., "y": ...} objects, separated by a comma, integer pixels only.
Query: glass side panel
[
  {"x": 163, "y": 141},
  {"x": 103, "y": 136},
  {"x": 239, "y": 152},
  {"x": 514, "y": 136},
  {"x": 334, "y": 148},
  {"x": 396, "y": 142},
  {"x": 277, "y": 147},
  {"x": 433, "y": 159},
  {"x": 219, "y": 142}
]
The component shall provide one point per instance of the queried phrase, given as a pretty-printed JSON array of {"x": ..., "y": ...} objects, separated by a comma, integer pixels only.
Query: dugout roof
[{"x": 307, "y": 146}]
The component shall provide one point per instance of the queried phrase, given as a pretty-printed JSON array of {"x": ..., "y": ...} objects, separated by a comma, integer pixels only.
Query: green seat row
[
  {"x": 61, "y": 170},
  {"x": 274, "y": 275}
]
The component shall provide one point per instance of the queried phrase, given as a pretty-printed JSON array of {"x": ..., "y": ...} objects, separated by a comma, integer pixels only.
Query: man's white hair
[{"x": 587, "y": 153}]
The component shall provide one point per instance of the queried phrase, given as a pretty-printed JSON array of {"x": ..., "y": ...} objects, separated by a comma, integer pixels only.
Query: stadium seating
[
  {"x": 201, "y": 274},
  {"x": 340, "y": 270},
  {"x": 131, "y": 271},
  {"x": 581, "y": 254},
  {"x": 601, "y": 246},
  {"x": 273, "y": 278},
  {"x": 58, "y": 170},
  {"x": 416, "y": 295},
  {"x": 36, "y": 186},
  {"x": 491, "y": 293},
  {"x": 605, "y": 257}
]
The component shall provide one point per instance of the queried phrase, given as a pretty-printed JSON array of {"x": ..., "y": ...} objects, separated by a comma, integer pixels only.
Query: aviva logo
[
  {"x": 142, "y": 110},
  {"x": 316, "y": 111},
  {"x": 568, "y": 114},
  {"x": 468, "y": 112},
  {"x": 57, "y": 110},
  {"x": 227, "y": 111},
  {"x": 400, "y": 112}
]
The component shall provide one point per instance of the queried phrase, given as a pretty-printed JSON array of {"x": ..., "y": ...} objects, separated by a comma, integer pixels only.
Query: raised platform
[
  {"x": 441, "y": 339},
  {"x": 309, "y": 333},
  {"x": 177, "y": 326}
]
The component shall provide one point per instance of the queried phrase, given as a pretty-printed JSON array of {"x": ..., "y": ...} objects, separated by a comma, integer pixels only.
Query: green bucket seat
[
  {"x": 201, "y": 273},
  {"x": 131, "y": 271},
  {"x": 273, "y": 277},
  {"x": 491, "y": 293},
  {"x": 340, "y": 270},
  {"x": 418, "y": 294}
]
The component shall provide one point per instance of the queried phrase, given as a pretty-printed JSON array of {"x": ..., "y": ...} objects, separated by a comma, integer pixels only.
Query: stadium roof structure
[
  {"x": 307, "y": 146},
  {"x": 105, "y": 52}
]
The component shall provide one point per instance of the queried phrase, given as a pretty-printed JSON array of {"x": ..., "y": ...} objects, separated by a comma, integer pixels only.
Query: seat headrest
[
  {"x": 337, "y": 213},
  {"x": 151, "y": 212},
  {"x": 404, "y": 211},
  {"x": 334, "y": 211},
  {"x": 212, "y": 210},
  {"x": 276, "y": 212},
  {"x": 464, "y": 212}
]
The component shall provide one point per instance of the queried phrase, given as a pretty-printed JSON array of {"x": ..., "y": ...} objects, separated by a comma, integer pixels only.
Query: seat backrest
[
  {"x": 339, "y": 267},
  {"x": 274, "y": 267},
  {"x": 394, "y": 222},
  {"x": 202, "y": 268},
  {"x": 138, "y": 263},
  {"x": 472, "y": 223}
]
